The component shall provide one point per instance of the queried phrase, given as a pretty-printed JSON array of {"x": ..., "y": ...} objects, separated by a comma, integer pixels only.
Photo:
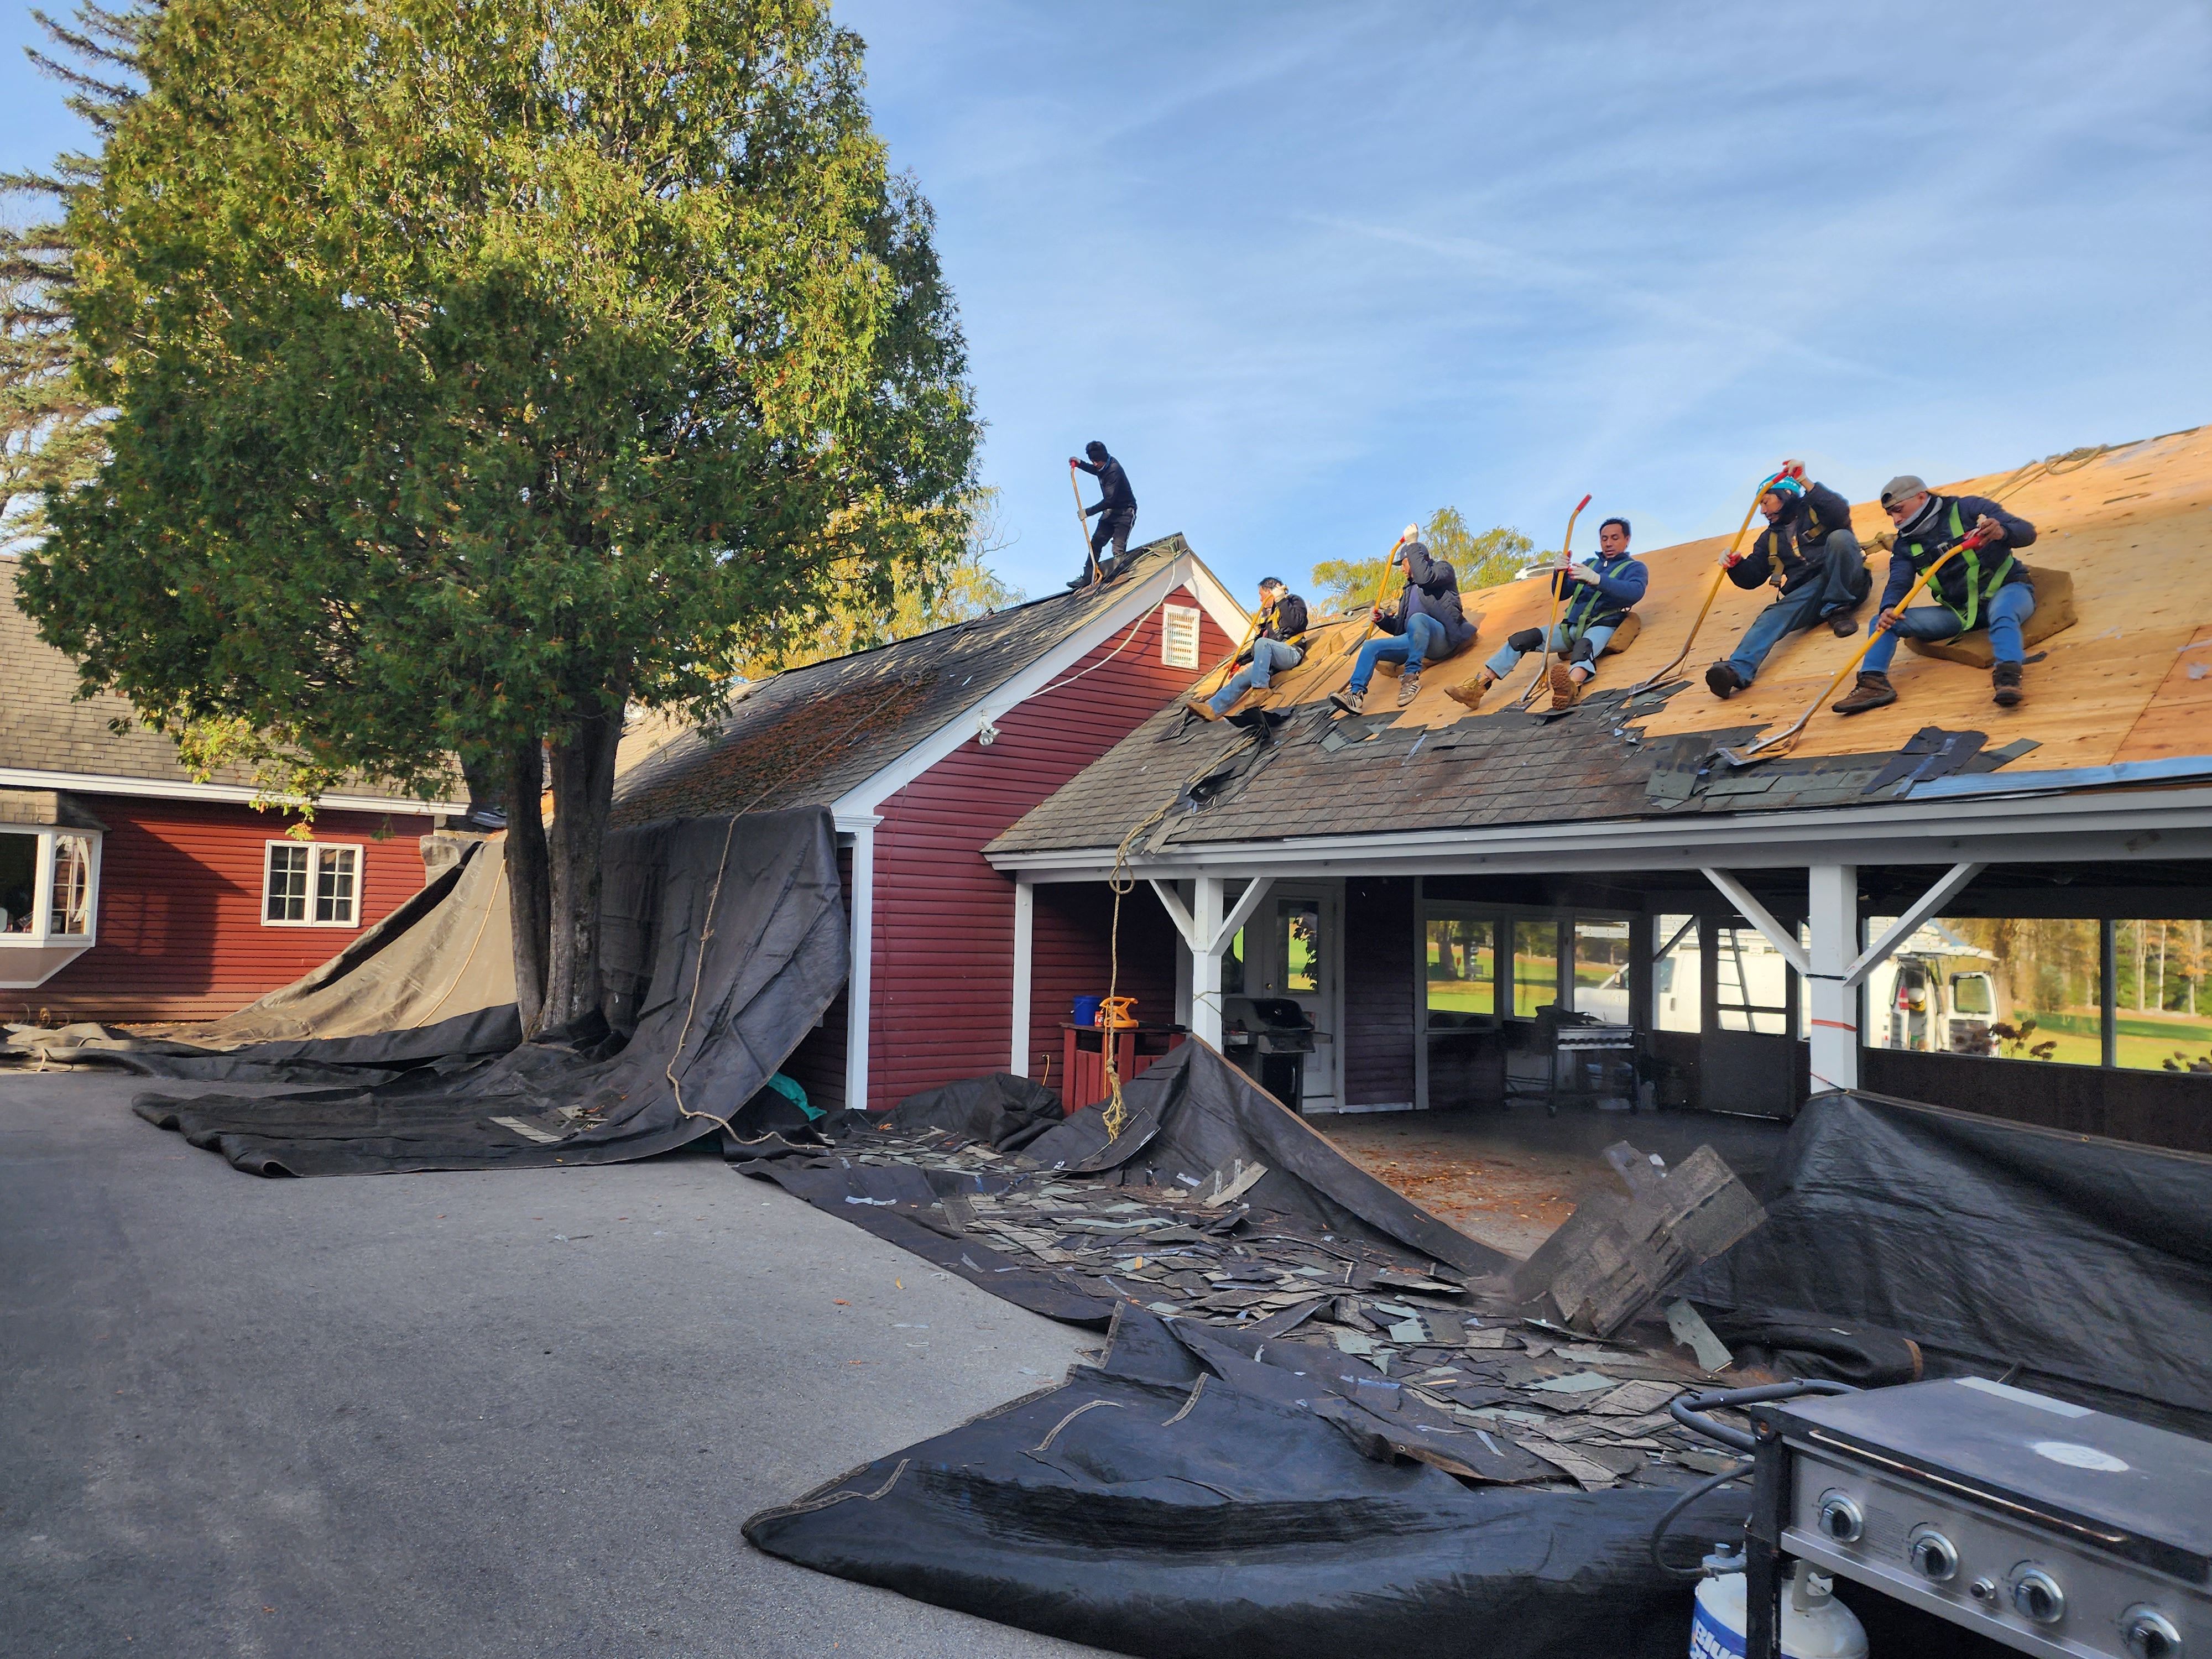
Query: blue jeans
[
  {"x": 1503, "y": 659},
  {"x": 1269, "y": 657},
  {"x": 1840, "y": 588},
  {"x": 1422, "y": 635},
  {"x": 2005, "y": 611}
]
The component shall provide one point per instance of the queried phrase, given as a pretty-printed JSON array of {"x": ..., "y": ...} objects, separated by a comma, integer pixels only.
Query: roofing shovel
[
  {"x": 1712, "y": 593},
  {"x": 1784, "y": 741},
  {"x": 1566, "y": 558},
  {"x": 1082, "y": 528}
]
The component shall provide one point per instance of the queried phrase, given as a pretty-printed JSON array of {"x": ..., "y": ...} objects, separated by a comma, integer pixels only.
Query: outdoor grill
[{"x": 1270, "y": 1038}]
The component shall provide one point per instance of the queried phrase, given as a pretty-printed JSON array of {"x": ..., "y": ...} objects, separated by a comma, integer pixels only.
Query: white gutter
[
  {"x": 2172, "y": 823},
  {"x": 93, "y": 783}
]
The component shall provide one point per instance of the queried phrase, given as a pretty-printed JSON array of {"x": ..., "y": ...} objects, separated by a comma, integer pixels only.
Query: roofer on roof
[
  {"x": 1808, "y": 550},
  {"x": 1982, "y": 587},
  {"x": 1427, "y": 625},
  {"x": 1604, "y": 591},
  {"x": 1116, "y": 512},
  {"x": 1275, "y": 649}
]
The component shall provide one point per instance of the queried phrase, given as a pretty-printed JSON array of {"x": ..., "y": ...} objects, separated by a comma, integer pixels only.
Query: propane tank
[{"x": 1815, "y": 1624}]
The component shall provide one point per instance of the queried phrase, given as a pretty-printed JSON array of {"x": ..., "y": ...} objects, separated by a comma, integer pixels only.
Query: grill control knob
[
  {"x": 2036, "y": 1594},
  {"x": 1983, "y": 1590},
  {"x": 2150, "y": 1634},
  {"x": 1933, "y": 1555},
  {"x": 1840, "y": 1518}
]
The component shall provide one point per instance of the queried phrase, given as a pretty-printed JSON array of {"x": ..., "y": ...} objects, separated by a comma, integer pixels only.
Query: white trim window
[
  {"x": 49, "y": 901},
  {"x": 1179, "y": 630},
  {"x": 311, "y": 884}
]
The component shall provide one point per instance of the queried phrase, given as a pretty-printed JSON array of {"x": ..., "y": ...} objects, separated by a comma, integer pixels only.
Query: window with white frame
[
  {"x": 311, "y": 884},
  {"x": 1179, "y": 635}
]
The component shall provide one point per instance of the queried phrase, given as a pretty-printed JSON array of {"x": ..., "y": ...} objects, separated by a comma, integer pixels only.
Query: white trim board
[
  {"x": 95, "y": 783},
  {"x": 1184, "y": 570}
]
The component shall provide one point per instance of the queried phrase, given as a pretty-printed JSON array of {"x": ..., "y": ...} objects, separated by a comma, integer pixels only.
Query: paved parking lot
[{"x": 522, "y": 1412}]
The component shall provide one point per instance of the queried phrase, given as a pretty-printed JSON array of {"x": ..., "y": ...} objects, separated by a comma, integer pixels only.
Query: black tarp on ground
[
  {"x": 1192, "y": 1113},
  {"x": 1006, "y": 1111},
  {"x": 2085, "y": 1263},
  {"x": 774, "y": 957},
  {"x": 1136, "y": 1509}
]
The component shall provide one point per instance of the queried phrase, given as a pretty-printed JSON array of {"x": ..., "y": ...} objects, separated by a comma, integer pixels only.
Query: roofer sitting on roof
[
  {"x": 1116, "y": 512},
  {"x": 1604, "y": 591},
  {"x": 1276, "y": 648},
  {"x": 1982, "y": 587},
  {"x": 1427, "y": 625},
  {"x": 1809, "y": 551}
]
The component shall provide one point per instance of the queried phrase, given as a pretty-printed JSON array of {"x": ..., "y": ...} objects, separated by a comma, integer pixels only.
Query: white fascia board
[
  {"x": 93, "y": 783},
  {"x": 2147, "y": 824},
  {"x": 1130, "y": 608}
]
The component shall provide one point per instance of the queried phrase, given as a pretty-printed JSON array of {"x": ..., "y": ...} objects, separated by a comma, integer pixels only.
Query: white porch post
[
  {"x": 861, "y": 973},
  {"x": 1830, "y": 988},
  {"x": 1206, "y": 944},
  {"x": 1024, "y": 971}
]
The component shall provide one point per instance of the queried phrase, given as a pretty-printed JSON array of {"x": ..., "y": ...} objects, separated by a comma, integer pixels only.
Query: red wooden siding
[
  {"x": 179, "y": 927},
  {"x": 1378, "y": 990},
  {"x": 944, "y": 920}
]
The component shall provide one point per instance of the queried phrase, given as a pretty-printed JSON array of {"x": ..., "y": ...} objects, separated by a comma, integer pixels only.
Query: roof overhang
[
  {"x": 857, "y": 806},
  {"x": 2088, "y": 825},
  {"x": 93, "y": 783}
]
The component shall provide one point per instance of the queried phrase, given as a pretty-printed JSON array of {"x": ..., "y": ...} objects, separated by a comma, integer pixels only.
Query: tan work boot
[
  {"x": 1352, "y": 702},
  {"x": 2005, "y": 683},
  {"x": 1409, "y": 687},
  {"x": 1565, "y": 688},
  {"x": 1873, "y": 691},
  {"x": 1200, "y": 706},
  {"x": 1469, "y": 697}
]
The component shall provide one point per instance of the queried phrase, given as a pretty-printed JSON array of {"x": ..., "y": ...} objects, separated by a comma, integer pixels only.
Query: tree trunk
[
  {"x": 583, "y": 794},
  {"x": 2159, "y": 1000},
  {"x": 529, "y": 888}
]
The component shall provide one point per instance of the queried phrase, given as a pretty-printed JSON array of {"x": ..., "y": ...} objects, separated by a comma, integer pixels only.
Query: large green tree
[
  {"x": 1478, "y": 560},
  {"x": 481, "y": 369}
]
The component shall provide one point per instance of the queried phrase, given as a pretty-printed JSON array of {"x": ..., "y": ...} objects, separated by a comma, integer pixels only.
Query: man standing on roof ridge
[
  {"x": 1604, "y": 591},
  {"x": 1427, "y": 625},
  {"x": 1116, "y": 512},
  {"x": 1984, "y": 587},
  {"x": 1276, "y": 648},
  {"x": 1810, "y": 552}
]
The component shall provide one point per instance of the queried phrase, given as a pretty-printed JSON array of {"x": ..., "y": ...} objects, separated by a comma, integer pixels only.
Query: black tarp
[
  {"x": 1008, "y": 1112},
  {"x": 1166, "y": 1504},
  {"x": 773, "y": 958},
  {"x": 2085, "y": 1262}
]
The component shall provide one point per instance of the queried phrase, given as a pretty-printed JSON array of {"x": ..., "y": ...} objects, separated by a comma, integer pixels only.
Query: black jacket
[
  {"x": 1286, "y": 620},
  {"x": 1114, "y": 491},
  {"x": 1431, "y": 590},
  {"x": 1965, "y": 582},
  {"x": 1798, "y": 538}
]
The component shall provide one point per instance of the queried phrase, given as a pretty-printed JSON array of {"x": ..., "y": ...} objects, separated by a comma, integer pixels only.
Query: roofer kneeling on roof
[
  {"x": 1276, "y": 648},
  {"x": 1604, "y": 592},
  {"x": 1982, "y": 587},
  {"x": 1809, "y": 551},
  {"x": 1427, "y": 625},
  {"x": 1116, "y": 511}
]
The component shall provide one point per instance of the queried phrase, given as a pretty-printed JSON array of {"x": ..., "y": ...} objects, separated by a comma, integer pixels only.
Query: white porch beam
[
  {"x": 1906, "y": 925},
  {"x": 1206, "y": 964},
  {"x": 1247, "y": 901},
  {"x": 1756, "y": 914},
  {"x": 1024, "y": 972},
  {"x": 1832, "y": 1001},
  {"x": 1178, "y": 912},
  {"x": 857, "y": 977}
]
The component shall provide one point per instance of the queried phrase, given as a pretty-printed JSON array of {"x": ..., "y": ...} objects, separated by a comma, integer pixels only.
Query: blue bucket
[{"x": 1086, "y": 1010}]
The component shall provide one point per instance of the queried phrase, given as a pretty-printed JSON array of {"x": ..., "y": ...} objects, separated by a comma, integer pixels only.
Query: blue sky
[{"x": 1312, "y": 270}]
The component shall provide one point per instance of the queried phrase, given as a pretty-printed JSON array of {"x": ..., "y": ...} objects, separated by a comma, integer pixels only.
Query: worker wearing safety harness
[
  {"x": 1808, "y": 550},
  {"x": 1115, "y": 511},
  {"x": 1277, "y": 646},
  {"x": 1984, "y": 586},
  {"x": 1599, "y": 596}
]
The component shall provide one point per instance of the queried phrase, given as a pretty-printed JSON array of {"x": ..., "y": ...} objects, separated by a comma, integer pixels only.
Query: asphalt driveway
[{"x": 509, "y": 1413}]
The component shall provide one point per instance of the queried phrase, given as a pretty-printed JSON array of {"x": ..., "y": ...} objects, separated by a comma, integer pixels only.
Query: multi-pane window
[{"x": 311, "y": 884}]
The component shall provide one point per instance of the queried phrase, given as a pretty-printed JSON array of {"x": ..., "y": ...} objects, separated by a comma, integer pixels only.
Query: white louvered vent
[{"x": 1179, "y": 635}]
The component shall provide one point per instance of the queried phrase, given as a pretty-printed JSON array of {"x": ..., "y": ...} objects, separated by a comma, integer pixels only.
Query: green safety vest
[{"x": 1977, "y": 588}]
